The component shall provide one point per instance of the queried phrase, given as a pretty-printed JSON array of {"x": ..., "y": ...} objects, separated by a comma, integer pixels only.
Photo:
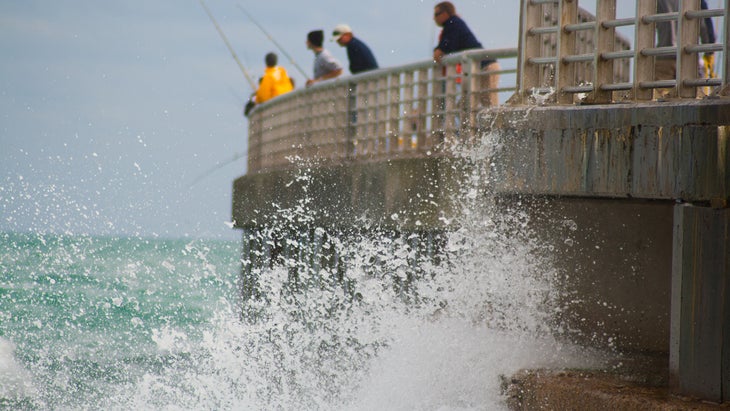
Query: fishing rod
[
  {"x": 291, "y": 60},
  {"x": 216, "y": 168},
  {"x": 225, "y": 40}
]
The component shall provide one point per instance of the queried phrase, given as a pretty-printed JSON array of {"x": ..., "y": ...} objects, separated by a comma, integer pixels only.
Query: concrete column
[{"x": 700, "y": 315}]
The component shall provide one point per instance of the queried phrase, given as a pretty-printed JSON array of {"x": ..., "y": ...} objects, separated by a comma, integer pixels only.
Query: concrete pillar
[{"x": 700, "y": 313}]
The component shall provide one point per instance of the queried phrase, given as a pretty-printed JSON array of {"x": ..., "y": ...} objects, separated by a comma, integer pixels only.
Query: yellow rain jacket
[{"x": 274, "y": 83}]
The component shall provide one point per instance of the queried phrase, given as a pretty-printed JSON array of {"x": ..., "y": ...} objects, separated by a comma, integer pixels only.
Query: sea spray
[
  {"x": 16, "y": 383},
  {"x": 336, "y": 320},
  {"x": 382, "y": 325}
]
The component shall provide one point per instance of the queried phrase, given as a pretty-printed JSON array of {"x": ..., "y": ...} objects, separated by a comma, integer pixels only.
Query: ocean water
[
  {"x": 92, "y": 323},
  {"x": 83, "y": 318}
]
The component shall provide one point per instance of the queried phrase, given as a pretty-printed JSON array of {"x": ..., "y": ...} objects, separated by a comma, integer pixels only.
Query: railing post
[
  {"x": 450, "y": 100},
  {"x": 421, "y": 109},
  {"x": 473, "y": 93},
  {"x": 605, "y": 39},
  {"x": 644, "y": 39},
  {"x": 409, "y": 126},
  {"x": 438, "y": 102},
  {"x": 351, "y": 119},
  {"x": 528, "y": 75},
  {"x": 393, "y": 112},
  {"x": 381, "y": 115},
  {"x": 726, "y": 49},
  {"x": 688, "y": 30},
  {"x": 565, "y": 72},
  {"x": 368, "y": 133}
]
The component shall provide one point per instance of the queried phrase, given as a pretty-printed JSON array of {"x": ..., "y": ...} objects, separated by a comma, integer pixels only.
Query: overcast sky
[{"x": 111, "y": 111}]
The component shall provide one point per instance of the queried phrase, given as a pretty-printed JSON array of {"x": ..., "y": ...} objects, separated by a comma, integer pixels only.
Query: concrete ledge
[
  {"x": 593, "y": 390},
  {"x": 404, "y": 194},
  {"x": 649, "y": 151}
]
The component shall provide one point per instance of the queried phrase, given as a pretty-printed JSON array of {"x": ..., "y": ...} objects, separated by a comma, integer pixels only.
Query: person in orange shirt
[{"x": 275, "y": 82}]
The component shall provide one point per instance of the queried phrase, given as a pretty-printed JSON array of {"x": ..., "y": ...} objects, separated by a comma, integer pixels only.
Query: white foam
[
  {"x": 485, "y": 312},
  {"x": 453, "y": 364},
  {"x": 15, "y": 382}
]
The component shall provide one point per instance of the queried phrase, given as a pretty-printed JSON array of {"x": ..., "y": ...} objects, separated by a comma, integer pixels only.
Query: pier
[{"x": 638, "y": 164}]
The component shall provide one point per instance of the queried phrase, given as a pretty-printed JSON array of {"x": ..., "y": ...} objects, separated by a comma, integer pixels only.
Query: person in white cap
[{"x": 360, "y": 57}]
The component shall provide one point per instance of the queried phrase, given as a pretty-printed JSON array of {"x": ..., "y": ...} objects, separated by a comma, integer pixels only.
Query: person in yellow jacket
[{"x": 275, "y": 82}]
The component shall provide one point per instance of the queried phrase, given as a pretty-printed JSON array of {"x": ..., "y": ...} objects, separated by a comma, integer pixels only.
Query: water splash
[
  {"x": 355, "y": 338},
  {"x": 16, "y": 383},
  {"x": 385, "y": 327},
  {"x": 540, "y": 96}
]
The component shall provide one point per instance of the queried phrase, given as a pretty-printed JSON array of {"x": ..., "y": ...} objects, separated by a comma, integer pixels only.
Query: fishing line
[
  {"x": 216, "y": 168},
  {"x": 291, "y": 60},
  {"x": 225, "y": 40}
]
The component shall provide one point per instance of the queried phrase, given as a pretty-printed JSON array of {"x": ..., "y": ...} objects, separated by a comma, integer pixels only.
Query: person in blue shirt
[
  {"x": 359, "y": 54},
  {"x": 455, "y": 37}
]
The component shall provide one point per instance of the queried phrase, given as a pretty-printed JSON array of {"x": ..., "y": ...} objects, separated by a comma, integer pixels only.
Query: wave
[{"x": 16, "y": 383}]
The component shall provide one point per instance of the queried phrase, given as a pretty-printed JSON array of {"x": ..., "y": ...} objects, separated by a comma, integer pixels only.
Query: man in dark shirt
[
  {"x": 359, "y": 54},
  {"x": 456, "y": 37}
]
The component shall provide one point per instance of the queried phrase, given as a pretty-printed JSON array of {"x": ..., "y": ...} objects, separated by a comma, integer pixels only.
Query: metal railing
[
  {"x": 565, "y": 56},
  {"x": 601, "y": 87},
  {"x": 402, "y": 111}
]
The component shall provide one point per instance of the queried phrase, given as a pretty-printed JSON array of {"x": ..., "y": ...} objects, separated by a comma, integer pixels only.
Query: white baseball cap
[{"x": 339, "y": 30}]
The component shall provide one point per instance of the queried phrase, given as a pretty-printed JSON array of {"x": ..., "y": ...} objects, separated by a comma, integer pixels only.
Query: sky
[{"x": 124, "y": 117}]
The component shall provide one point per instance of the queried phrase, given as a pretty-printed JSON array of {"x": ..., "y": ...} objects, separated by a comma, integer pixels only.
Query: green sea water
[
  {"x": 112, "y": 323},
  {"x": 82, "y": 318}
]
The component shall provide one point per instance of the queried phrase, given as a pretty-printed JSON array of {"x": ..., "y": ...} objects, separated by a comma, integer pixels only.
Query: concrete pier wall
[
  {"x": 673, "y": 151},
  {"x": 646, "y": 188},
  {"x": 602, "y": 185},
  {"x": 611, "y": 173},
  {"x": 614, "y": 264},
  {"x": 700, "y": 347},
  {"x": 348, "y": 196},
  {"x": 631, "y": 194}
]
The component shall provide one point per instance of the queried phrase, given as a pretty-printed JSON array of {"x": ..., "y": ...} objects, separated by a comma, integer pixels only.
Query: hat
[
  {"x": 339, "y": 30},
  {"x": 315, "y": 37}
]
